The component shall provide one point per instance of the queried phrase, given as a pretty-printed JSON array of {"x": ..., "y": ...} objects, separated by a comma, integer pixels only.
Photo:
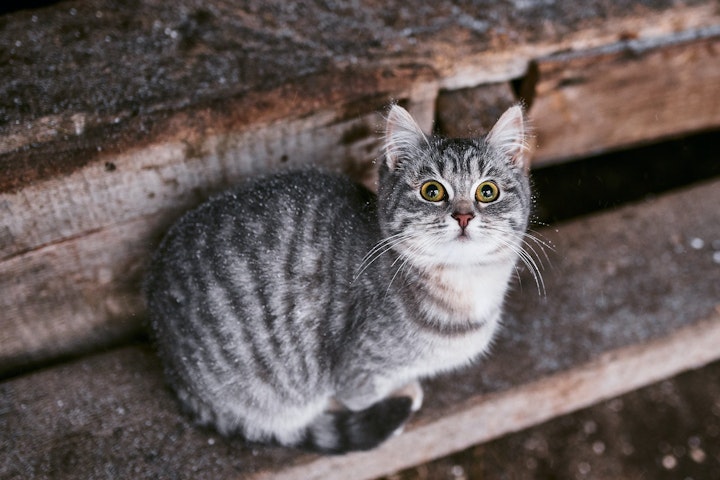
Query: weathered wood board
[
  {"x": 469, "y": 112},
  {"x": 633, "y": 296},
  {"x": 170, "y": 112},
  {"x": 92, "y": 70},
  {"x": 624, "y": 94},
  {"x": 587, "y": 102}
]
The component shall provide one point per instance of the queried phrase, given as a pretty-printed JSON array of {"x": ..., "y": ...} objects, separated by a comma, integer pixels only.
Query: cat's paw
[
  {"x": 398, "y": 431},
  {"x": 414, "y": 391}
]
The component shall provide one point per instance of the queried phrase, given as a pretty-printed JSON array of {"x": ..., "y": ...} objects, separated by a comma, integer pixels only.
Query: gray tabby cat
[{"x": 301, "y": 309}]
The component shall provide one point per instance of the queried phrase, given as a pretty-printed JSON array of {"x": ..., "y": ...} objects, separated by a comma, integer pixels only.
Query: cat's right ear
[{"x": 403, "y": 137}]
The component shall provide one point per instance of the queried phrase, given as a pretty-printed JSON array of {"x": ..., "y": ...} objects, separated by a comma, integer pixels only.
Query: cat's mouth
[{"x": 463, "y": 236}]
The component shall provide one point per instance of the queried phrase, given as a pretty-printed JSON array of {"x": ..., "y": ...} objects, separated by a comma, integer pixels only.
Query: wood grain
[
  {"x": 624, "y": 94},
  {"x": 471, "y": 112}
]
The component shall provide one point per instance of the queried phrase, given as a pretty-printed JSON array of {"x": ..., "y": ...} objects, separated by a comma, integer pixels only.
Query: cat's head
[{"x": 455, "y": 201}]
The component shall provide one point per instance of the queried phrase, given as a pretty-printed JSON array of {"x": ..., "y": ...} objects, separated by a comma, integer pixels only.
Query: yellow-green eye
[
  {"x": 432, "y": 191},
  {"x": 487, "y": 192}
]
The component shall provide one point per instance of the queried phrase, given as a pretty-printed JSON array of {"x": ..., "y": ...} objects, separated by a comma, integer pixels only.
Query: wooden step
[{"x": 632, "y": 296}]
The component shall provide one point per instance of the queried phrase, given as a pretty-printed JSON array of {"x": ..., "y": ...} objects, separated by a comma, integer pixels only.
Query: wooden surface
[
  {"x": 624, "y": 94},
  {"x": 116, "y": 118},
  {"x": 113, "y": 75},
  {"x": 633, "y": 296},
  {"x": 469, "y": 112}
]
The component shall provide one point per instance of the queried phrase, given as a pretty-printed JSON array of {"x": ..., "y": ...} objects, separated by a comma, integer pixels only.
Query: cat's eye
[
  {"x": 487, "y": 192},
  {"x": 432, "y": 191}
]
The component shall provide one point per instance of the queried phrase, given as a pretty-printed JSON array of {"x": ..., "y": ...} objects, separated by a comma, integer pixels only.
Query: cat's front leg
[
  {"x": 363, "y": 391},
  {"x": 371, "y": 390},
  {"x": 412, "y": 390}
]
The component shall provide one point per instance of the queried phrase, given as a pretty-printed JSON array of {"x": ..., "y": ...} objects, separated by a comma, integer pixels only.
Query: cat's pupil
[
  {"x": 433, "y": 191},
  {"x": 487, "y": 191}
]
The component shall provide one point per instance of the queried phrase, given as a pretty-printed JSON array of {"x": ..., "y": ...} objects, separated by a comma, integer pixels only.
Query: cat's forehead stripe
[{"x": 459, "y": 160}]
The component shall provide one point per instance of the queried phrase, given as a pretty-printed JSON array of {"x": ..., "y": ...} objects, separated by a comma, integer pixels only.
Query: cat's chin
[{"x": 465, "y": 251}]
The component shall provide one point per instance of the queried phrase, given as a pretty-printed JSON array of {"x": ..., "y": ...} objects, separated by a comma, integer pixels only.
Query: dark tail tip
[{"x": 345, "y": 431}]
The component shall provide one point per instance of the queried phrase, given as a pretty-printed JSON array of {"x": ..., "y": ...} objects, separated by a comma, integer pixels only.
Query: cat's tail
[{"x": 343, "y": 431}]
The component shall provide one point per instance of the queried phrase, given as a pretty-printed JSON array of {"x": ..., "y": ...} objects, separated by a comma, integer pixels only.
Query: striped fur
[{"x": 300, "y": 291}]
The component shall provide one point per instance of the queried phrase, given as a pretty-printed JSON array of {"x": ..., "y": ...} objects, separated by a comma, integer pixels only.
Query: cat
[{"x": 301, "y": 309}]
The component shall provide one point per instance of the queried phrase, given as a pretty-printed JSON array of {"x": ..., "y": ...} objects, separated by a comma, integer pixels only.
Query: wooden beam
[
  {"x": 627, "y": 93},
  {"x": 84, "y": 88},
  {"x": 508, "y": 59},
  {"x": 633, "y": 296}
]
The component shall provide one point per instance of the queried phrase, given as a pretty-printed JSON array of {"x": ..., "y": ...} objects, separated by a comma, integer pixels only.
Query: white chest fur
[
  {"x": 463, "y": 295},
  {"x": 467, "y": 293}
]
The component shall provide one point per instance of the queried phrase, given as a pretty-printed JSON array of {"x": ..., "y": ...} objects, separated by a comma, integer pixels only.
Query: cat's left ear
[
  {"x": 403, "y": 136},
  {"x": 508, "y": 137}
]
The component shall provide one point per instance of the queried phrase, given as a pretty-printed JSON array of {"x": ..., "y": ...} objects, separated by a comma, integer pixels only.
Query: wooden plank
[
  {"x": 508, "y": 58},
  {"x": 71, "y": 297},
  {"x": 633, "y": 296},
  {"x": 111, "y": 76},
  {"x": 148, "y": 178},
  {"x": 624, "y": 94}
]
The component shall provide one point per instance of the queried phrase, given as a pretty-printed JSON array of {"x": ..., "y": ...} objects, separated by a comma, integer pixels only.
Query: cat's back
[
  {"x": 282, "y": 210},
  {"x": 268, "y": 248}
]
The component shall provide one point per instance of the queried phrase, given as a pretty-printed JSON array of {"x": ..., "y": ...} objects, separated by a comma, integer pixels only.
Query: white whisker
[
  {"x": 381, "y": 248},
  {"x": 427, "y": 242},
  {"x": 519, "y": 244}
]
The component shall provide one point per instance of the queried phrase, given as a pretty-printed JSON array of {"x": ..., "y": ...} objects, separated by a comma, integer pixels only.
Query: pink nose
[{"x": 463, "y": 218}]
